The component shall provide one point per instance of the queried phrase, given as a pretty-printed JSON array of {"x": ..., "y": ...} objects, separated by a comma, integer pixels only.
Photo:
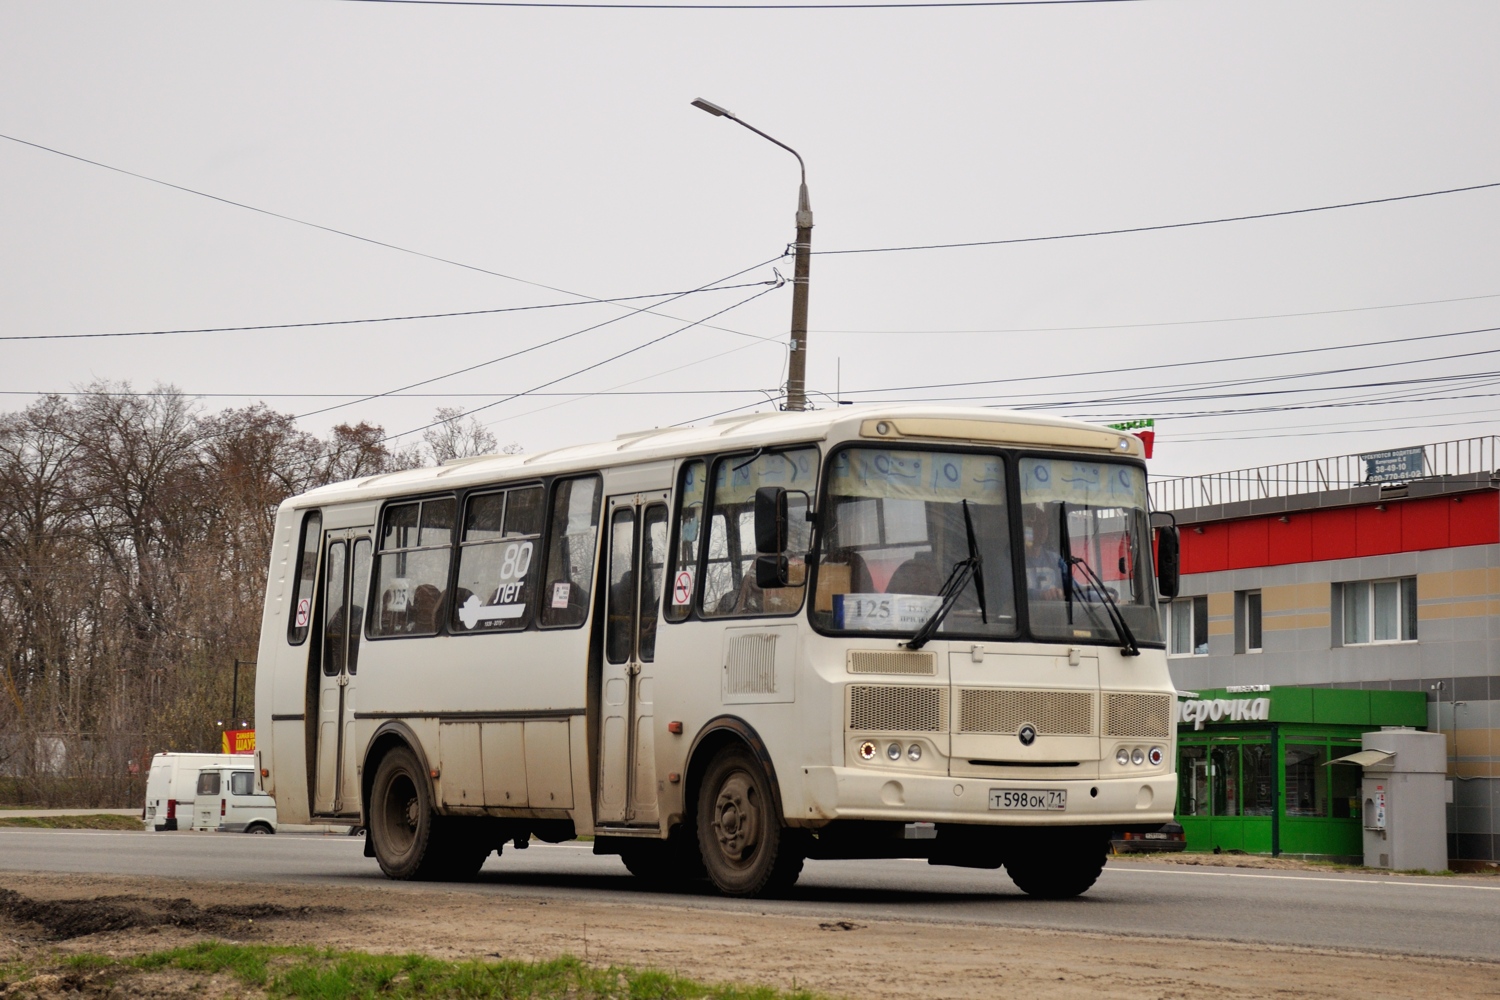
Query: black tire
[
  {"x": 461, "y": 851},
  {"x": 1057, "y": 863},
  {"x": 745, "y": 848},
  {"x": 258, "y": 828},
  {"x": 401, "y": 821},
  {"x": 674, "y": 864}
]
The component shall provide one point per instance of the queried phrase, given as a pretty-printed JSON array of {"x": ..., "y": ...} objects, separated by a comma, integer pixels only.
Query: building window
[
  {"x": 1379, "y": 611},
  {"x": 1187, "y": 625},
  {"x": 1247, "y": 621}
]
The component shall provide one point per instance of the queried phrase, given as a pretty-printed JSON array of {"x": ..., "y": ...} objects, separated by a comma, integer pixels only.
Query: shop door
[
  {"x": 346, "y": 580},
  {"x": 1226, "y": 794},
  {"x": 636, "y": 550}
]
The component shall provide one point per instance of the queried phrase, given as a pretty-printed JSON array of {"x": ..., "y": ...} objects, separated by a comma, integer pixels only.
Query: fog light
[
  {"x": 1137, "y": 757},
  {"x": 914, "y": 751},
  {"x": 1122, "y": 756},
  {"x": 867, "y": 750},
  {"x": 893, "y": 751},
  {"x": 1154, "y": 756}
]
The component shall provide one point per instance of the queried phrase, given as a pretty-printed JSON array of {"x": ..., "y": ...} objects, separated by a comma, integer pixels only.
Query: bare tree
[
  {"x": 135, "y": 533},
  {"x": 453, "y": 437}
]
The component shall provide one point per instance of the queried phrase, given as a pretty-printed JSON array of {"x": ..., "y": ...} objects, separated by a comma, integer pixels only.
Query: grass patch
[
  {"x": 105, "y": 821},
  {"x": 314, "y": 974}
]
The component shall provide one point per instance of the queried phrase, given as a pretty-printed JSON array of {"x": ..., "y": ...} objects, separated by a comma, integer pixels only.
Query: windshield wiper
[
  {"x": 1128, "y": 645},
  {"x": 963, "y": 571}
]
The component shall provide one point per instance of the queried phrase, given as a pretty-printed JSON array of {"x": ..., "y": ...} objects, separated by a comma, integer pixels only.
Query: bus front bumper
[{"x": 850, "y": 793}]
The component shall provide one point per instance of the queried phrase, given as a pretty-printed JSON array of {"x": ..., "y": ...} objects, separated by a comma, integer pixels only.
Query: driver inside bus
[{"x": 1045, "y": 567}]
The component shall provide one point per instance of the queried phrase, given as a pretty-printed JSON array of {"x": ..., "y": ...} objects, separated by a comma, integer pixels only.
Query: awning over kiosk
[{"x": 1365, "y": 758}]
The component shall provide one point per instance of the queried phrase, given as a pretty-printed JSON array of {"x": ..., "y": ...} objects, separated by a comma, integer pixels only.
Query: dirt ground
[{"x": 46, "y": 917}]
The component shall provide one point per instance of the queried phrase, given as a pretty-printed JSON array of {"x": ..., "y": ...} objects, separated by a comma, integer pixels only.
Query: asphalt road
[{"x": 1454, "y": 917}]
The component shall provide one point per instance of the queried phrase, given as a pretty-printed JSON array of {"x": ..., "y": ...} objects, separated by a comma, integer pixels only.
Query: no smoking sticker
[
  {"x": 682, "y": 588},
  {"x": 304, "y": 611}
]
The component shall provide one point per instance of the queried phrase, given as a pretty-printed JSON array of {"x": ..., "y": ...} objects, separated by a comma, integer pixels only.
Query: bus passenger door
[
  {"x": 346, "y": 576},
  {"x": 636, "y": 550}
]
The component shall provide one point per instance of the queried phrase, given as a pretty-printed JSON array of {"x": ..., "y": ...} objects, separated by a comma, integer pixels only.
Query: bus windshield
[
  {"x": 1087, "y": 542},
  {"x": 893, "y": 531}
]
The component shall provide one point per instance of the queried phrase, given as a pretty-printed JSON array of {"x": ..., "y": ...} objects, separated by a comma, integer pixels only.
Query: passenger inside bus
[{"x": 1045, "y": 567}]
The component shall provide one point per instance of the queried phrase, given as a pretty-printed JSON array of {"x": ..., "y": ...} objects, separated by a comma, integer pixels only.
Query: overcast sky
[{"x": 557, "y": 147}]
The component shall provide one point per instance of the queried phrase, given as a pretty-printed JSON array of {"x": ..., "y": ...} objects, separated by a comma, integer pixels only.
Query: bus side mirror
[
  {"x": 770, "y": 520},
  {"x": 1168, "y": 561},
  {"x": 771, "y": 566}
]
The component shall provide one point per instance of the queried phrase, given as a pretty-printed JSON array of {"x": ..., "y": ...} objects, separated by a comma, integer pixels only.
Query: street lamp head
[{"x": 712, "y": 108}]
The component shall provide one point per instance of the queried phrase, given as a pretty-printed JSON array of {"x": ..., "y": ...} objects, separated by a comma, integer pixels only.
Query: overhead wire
[
  {"x": 579, "y": 396},
  {"x": 590, "y": 367},
  {"x": 777, "y": 283},
  {"x": 312, "y": 225},
  {"x": 1162, "y": 323},
  {"x": 397, "y": 319},
  {"x": 1162, "y": 227},
  {"x": 1175, "y": 364},
  {"x": 857, "y": 5}
]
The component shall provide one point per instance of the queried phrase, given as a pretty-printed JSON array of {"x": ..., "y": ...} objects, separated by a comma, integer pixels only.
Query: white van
[
  {"x": 228, "y": 801},
  {"x": 172, "y": 786}
]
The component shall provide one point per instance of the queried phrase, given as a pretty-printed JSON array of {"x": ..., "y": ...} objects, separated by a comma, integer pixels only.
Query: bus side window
[
  {"x": 729, "y": 586},
  {"x": 300, "y": 619},
  {"x": 496, "y": 555},
  {"x": 572, "y": 538},
  {"x": 416, "y": 545},
  {"x": 688, "y": 532}
]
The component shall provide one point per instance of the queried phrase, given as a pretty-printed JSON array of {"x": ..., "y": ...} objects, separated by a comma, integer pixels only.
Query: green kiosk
[{"x": 1253, "y": 770}]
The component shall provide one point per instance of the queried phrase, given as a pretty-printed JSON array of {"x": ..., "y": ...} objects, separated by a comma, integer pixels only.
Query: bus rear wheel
[
  {"x": 402, "y": 824},
  {"x": 1052, "y": 863},
  {"x": 746, "y": 850}
]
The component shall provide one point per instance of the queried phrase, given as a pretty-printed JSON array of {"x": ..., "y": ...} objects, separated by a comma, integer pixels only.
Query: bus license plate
[{"x": 1029, "y": 799}]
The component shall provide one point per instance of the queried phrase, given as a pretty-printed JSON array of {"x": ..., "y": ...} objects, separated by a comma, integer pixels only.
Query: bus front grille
[
  {"x": 891, "y": 709},
  {"x": 1142, "y": 716},
  {"x": 1053, "y": 713},
  {"x": 892, "y": 661}
]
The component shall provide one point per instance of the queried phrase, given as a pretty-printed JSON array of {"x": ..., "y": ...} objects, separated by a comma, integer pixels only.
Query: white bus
[{"x": 925, "y": 632}]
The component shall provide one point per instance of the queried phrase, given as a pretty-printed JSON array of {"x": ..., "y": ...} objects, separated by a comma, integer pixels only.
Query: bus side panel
[
  {"x": 280, "y": 683},
  {"x": 535, "y": 677}
]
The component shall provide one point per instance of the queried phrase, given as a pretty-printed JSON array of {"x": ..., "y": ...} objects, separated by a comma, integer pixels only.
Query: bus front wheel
[
  {"x": 1051, "y": 863},
  {"x": 746, "y": 850}
]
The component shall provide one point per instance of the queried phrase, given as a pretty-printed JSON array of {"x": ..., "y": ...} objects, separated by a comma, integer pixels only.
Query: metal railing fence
[{"x": 1465, "y": 456}]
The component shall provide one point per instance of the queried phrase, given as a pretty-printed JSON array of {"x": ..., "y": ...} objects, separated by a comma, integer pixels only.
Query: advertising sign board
[{"x": 1399, "y": 466}]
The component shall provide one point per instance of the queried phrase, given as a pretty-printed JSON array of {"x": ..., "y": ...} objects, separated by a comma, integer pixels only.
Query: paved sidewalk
[
  {"x": 6, "y": 812},
  {"x": 325, "y": 829}
]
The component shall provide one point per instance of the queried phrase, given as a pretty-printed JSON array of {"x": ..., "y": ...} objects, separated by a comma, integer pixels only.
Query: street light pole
[{"x": 796, "y": 382}]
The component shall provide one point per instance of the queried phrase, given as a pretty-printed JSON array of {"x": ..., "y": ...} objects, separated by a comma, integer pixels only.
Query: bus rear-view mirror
[{"x": 1168, "y": 561}]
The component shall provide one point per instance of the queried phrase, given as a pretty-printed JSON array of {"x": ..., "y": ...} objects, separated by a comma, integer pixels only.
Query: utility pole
[{"x": 796, "y": 381}]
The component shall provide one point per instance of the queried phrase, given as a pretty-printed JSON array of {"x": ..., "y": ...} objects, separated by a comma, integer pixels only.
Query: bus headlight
[
  {"x": 867, "y": 750},
  {"x": 893, "y": 751},
  {"x": 1154, "y": 755},
  {"x": 914, "y": 751},
  {"x": 1137, "y": 756},
  {"x": 1122, "y": 757}
]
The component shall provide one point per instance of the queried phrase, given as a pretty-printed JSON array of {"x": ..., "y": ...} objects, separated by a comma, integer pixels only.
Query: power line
[
  {"x": 314, "y": 225},
  {"x": 1176, "y": 322},
  {"x": 414, "y": 395},
  {"x": 741, "y": 6},
  {"x": 1173, "y": 364},
  {"x": 578, "y": 396},
  {"x": 397, "y": 319},
  {"x": 1166, "y": 226},
  {"x": 1356, "y": 430},
  {"x": 589, "y": 367},
  {"x": 1364, "y": 423},
  {"x": 548, "y": 343}
]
